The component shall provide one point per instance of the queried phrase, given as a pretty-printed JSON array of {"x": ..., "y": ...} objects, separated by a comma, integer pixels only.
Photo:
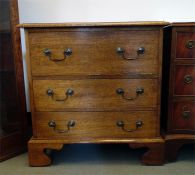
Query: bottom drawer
[
  {"x": 93, "y": 125},
  {"x": 183, "y": 117}
]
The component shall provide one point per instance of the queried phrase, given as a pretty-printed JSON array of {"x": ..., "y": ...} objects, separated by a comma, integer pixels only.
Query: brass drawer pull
[
  {"x": 186, "y": 114},
  {"x": 68, "y": 93},
  {"x": 187, "y": 79},
  {"x": 121, "y": 52},
  {"x": 121, "y": 92},
  {"x": 121, "y": 124},
  {"x": 190, "y": 44},
  {"x": 48, "y": 53},
  {"x": 70, "y": 124}
]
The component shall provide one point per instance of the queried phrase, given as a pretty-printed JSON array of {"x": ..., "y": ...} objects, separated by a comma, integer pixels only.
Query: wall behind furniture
[{"x": 39, "y": 11}]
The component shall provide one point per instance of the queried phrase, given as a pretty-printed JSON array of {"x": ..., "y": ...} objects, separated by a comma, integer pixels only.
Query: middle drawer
[{"x": 95, "y": 95}]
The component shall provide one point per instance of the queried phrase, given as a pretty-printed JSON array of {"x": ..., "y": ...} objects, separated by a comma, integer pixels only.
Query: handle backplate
[
  {"x": 48, "y": 53},
  {"x": 139, "y": 91},
  {"x": 121, "y": 124},
  {"x": 50, "y": 92},
  {"x": 70, "y": 124},
  {"x": 121, "y": 52}
]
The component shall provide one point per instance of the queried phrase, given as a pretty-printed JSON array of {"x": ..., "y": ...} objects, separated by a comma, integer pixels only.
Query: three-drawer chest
[{"x": 95, "y": 83}]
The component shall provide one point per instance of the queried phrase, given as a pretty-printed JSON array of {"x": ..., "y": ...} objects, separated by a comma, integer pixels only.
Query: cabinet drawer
[
  {"x": 184, "y": 80},
  {"x": 183, "y": 117},
  {"x": 94, "y": 94},
  {"x": 185, "y": 47},
  {"x": 91, "y": 125},
  {"x": 95, "y": 52}
]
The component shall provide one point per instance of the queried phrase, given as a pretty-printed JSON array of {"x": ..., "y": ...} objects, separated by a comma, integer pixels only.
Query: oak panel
[
  {"x": 95, "y": 24},
  {"x": 93, "y": 125},
  {"x": 94, "y": 95},
  {"x": 93, "y": 52}
]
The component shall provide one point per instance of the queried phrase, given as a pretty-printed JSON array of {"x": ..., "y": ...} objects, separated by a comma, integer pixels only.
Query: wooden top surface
[
  {"x": 94, "y": 24},
  {"x": 182, "y": 24}
]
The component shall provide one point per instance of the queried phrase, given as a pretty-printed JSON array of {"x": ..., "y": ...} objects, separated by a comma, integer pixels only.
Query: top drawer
[
  {"x": 97, "y": 51},
  {"x": 185, "y": 45}
]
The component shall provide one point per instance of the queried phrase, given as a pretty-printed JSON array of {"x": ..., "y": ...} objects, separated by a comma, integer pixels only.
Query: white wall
[
  {"x": 105, "y": 10},
  {"x": 39, "y": 11}
]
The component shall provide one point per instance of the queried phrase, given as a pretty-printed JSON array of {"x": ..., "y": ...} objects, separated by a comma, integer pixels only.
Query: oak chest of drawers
[
  {"x": 95, "y": 83},
  {"x": 181, "y": 101}
]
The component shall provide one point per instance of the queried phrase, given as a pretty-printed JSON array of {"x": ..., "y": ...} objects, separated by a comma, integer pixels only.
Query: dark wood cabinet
[
  {"x": 180, "y": 65},
  {"x": 13, "y": 123}
]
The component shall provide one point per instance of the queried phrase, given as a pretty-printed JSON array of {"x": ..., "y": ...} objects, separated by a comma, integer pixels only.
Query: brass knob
[
  {"x": 71, "y": 123},
  {"x": 69, "y": 92},
  {"x": 120, "y": 91},
  {"x": 188, "y": 79},
  {"x": 47, "y": 52},
  {"x": 52, "y": 124},
  {"x": 50, "y": 92},
  {"x": 120, "y": 50},
  {"x": 140, "y": 90},
  {"x": 120, "y": 123},
  {"x": 141, "y": 50},
  {"x": 190, "y": 44},
  {"x": 139, "y": 123},
  {"x": 68, "y": 52}
]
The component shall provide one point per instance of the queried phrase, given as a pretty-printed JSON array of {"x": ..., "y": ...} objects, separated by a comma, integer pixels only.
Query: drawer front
[
  {"x": 95, "y": 95},
  {"x": 183, "y": 117},
  {"x": 92, "y": 125},
  {"x": 185, "y": 45},
  {"x": 99, "y": 52},
  {"x": 184, "y": 80}
]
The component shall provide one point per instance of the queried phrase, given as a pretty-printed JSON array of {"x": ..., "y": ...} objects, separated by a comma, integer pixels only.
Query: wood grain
[
  {"x": 11, "y": 75},
  {"x": 179, "y": 123},
  {"x": 180, "y": 93},
  {"x": 95, "y": 71},
  {"x": 96, "y": 125},
  {"x": 37, "y": 153},
  {"x": 155, "y": 153},
  {"x": 180, "y": 130},
  {"x": 95, "y": 50},
  {"x": 182, "y": 24},
  {"x": 38, "y": 157},
  {"x": 182, "y": 88},
  {"x": 94, "y": 95},
  {"x": 87, "y": 24},
  {"x": 181, "y": 50}
]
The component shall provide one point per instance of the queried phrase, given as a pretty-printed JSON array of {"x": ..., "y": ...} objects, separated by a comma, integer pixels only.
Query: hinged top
[{"x": 94, "y": 24}]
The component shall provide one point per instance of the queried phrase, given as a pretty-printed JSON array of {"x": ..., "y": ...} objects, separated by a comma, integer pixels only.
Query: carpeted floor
[{"x": 100, "y": 160}]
